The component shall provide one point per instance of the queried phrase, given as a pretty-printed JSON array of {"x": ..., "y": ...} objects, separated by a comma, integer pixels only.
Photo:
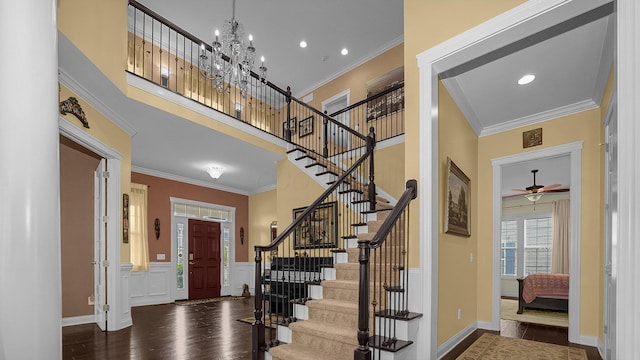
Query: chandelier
[{"x": 230, "y": 58}]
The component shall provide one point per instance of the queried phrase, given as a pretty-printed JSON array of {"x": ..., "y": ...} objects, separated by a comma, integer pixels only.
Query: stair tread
[
  {"x": 296, "y": 351},
  {"x": 332, "y": 304},
  {"x": 327, "y": 331}
]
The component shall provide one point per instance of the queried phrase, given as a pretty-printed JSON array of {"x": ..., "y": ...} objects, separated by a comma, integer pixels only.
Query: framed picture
[
  {"x": 305, "y": 126},
  {"x": 291, "y": 125},
  {"x": 125, "y": 218},
  {"x": 456, "y": 216},
  {"x": 319, "y": 229},
  {"x": 391, "y": 102}
]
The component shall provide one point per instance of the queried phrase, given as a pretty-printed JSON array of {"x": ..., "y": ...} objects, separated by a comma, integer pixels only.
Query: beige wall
[
  {"x": 99, "y": 29},
  {"x": 389, "y": 170},
  {"x": 262, "y": 211},
  {"x": 159, "y": 206},
  {"x": 587, "y": 127},
  {"x": 456, "y": 272},
  {"x": 77, "y": 168},
  {"x": 356, "y": 79}
]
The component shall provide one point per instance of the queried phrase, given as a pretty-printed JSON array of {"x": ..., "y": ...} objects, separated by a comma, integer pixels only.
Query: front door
[{"x": 204, "y": 259}]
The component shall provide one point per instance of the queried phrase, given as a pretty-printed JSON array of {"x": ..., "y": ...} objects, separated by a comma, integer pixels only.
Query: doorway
[
  {"x": 204, "y": 259},
  {"x": 335, "y": 134},
  {"x": 574, "y": 152},
  {"x": 114, "y": 309}
]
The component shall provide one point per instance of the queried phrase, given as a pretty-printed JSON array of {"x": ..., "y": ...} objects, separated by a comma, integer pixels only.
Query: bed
[{"x": 543, "y": 292}]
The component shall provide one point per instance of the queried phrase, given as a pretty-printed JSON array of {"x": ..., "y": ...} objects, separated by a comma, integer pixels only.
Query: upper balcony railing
[{"x": 163, "y": 53}]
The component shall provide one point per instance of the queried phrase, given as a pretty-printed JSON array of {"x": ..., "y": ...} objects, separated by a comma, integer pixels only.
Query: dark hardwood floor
[
  {"x": 206, "y": 331},
  {"x": 211, "y": 331}
]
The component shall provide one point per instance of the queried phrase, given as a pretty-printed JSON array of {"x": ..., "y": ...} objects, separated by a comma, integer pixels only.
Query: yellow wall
[
  {"x": 110, "y": 134},
  {"x": 585, "y": 126},
  {"x": 262, "y": 211},
  {"x": 99, "y": 29},
  {"x": 356, "y": 79},
  {"x": 294, "y": 190},
  {"x": 456, "y": 273},
  {"x": 389, "y": 167}
]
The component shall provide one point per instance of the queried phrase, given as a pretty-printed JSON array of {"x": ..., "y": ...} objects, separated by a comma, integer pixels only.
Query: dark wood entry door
[{"x": 204, "y": 259}]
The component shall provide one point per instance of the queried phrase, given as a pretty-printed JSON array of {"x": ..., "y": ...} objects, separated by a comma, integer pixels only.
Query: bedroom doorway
[{"x": 568, "y": 154}]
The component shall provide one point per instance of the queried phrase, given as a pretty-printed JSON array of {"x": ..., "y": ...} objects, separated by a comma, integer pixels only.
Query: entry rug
[
  {"x": 270, "y": 322},
  {"x": 494, "y": 347},
  {"x": 209, "y": 300},
  {"x": 509, "y": 309}
]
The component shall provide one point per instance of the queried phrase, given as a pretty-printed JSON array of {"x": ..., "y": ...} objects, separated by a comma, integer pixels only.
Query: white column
[
  {"x": 626, "y": 265},
  {"x": 30, "y": 295}
]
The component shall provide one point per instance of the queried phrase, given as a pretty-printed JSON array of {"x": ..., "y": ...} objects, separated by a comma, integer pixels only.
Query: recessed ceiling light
[
  {"x": 344, "y": 51},
  {"x": 303, "y": 44},
  {"x": 526, "y": 79}
]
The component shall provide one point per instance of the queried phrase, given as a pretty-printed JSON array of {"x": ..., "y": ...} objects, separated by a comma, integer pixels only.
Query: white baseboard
[
  {"x": 78, "y": 320},
  {"x": 589, "y": 340},
  {"x": 487, "y": 325},
  {"x": 456, "y": 339}
]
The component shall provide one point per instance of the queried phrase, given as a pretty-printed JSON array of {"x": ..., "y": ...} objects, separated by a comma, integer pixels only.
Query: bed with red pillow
[{"x": 544, "y": 292}]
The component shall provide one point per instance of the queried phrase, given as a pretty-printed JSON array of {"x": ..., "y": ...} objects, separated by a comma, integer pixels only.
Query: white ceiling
[
  {"x": 571, "y": 69},
  {"x": 550, "y": 171},
  {"x": 365, "y": 27}
]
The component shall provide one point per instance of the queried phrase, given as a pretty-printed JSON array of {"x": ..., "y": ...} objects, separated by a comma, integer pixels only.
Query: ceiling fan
[{"x": 535, "y": 191}]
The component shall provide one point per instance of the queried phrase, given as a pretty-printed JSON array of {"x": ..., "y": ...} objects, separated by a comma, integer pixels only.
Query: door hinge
[
  {"x": 105, "y": 263},
  {"x": 105, "y": 218},
  {"x": 106, "y": 307},
  {"x": 105, "y": 174}
]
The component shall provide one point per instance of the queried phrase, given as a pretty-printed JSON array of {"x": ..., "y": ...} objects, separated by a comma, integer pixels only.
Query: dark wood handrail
[
  {"x": 193, "y": 38},
  {"x": 364, "y": 101},
  {"x": 328, "y": 117},
  {"x": 280, "y": 238},
  {"x": 410, "y": 193}
]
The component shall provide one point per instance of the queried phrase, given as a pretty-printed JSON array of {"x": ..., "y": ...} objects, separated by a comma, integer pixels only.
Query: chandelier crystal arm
[{"x": 231, "y": 62}]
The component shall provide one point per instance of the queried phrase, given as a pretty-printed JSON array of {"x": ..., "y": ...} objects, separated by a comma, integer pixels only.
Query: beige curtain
[
  {"x": 561, "y": 237},
  {"x": 138, "y": 239}
]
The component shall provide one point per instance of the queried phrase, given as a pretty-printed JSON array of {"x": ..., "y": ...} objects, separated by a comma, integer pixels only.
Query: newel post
[
  {"x": 362, "y": 352},
  {"x": 287, "y": 132},
  {"x": 257, "y": 327},
  {"x": 325, "y": 135},
  {"x": 371, "y": 189}
]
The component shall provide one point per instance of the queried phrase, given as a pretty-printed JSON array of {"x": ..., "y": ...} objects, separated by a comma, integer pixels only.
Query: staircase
[{"x": 325, "y": 325}]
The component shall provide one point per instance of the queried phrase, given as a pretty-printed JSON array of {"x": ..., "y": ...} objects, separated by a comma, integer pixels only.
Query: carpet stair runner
[{"x": 327, "y": 327}]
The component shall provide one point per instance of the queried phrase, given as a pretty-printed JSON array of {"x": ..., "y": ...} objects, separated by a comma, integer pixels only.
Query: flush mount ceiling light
[
  {"x": 344, "y": 51},
  {"x": 215, "y": 171},
  {"x": 303, "y": 44},
  {"x": 230, "y": 58},
  {"x": 527, "y": 79}
]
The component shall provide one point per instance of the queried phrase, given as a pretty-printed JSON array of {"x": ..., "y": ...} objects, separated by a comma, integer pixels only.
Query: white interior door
[
  {"x": 336, "y": 134},
  {"x": 99, "y": 247},
  {"x": 611, "y": 212}
]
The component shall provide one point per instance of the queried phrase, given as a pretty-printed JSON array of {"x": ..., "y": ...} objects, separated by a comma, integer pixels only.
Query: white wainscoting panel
[
  {"x": 125, "y": 302},
  {"x": 152, "y": 287},
  {"x": 241, "y": 273}
]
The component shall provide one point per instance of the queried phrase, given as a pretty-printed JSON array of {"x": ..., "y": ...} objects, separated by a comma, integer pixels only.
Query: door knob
[{"x": 192, "y": 262}]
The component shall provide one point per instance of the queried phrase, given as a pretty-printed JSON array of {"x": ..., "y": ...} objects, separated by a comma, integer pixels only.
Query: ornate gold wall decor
[
  {"x": 72, "y": 106},
  {"x": 532, "y": 138}
]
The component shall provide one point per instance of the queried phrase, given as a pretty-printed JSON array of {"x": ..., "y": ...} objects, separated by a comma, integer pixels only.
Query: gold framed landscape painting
[{"x": 457, "y": 199}]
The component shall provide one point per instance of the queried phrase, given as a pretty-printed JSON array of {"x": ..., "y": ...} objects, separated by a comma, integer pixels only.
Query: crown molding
[
  {"x": 384, "y": 48},
  {"x": 184, "y": 179},
  {"x": 69, "y": 82}
]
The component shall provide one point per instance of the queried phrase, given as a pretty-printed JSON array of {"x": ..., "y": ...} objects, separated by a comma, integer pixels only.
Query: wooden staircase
[{"x": 326, "y": 326}]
